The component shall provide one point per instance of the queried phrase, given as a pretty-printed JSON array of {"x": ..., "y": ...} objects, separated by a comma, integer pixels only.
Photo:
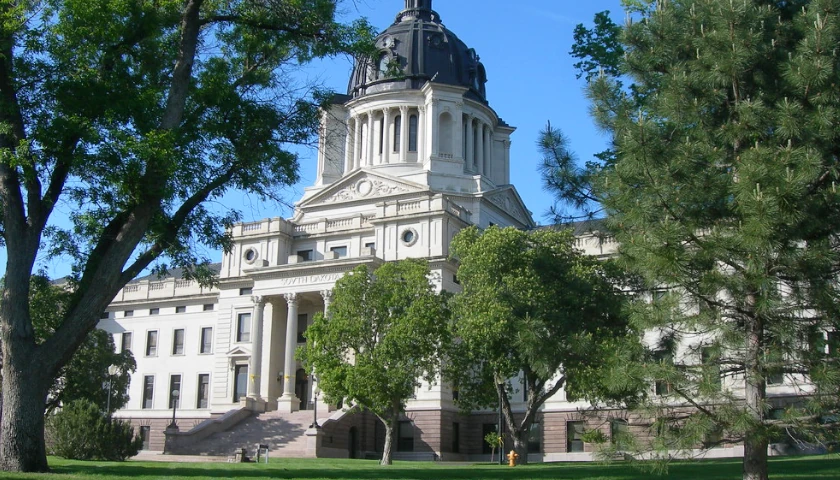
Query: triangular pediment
[
  {"x": 238, "y": 352},
  {"x": 508, "y": 200},
  {"x": 362, "y": 185}
]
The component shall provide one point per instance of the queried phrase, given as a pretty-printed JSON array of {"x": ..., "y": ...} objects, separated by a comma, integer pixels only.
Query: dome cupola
[{"x": 416, "y": 49}]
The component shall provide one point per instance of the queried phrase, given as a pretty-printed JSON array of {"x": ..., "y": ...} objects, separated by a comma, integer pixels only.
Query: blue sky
[{"x": 524, "y": 45}]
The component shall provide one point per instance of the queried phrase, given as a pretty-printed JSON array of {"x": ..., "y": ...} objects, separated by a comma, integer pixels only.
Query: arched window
[
  {"x": 397, "y": 132},
  {"x": 381, "y": 136},
  {"x": 382, "y": 66},
  {"x": 412, "y": 133},
  {"x": 446, "y": 124}
]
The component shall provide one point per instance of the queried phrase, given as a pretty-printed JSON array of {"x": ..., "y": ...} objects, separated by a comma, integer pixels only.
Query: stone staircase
[{"x": 283, "y": 432}]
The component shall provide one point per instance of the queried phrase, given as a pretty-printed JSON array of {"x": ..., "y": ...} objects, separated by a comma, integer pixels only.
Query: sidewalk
[{"x": 149, "y": 456}]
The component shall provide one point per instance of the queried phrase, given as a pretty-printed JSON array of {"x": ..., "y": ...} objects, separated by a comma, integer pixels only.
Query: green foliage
[
  {"x": 598, "y": 49},
  {"x": 86, "y": 375},
  {"x": 382, "y": 335},
  {"x": 533, "y": 306},
  {"x": 80, "y": 431},
  {"x": 722, "y": 189}
]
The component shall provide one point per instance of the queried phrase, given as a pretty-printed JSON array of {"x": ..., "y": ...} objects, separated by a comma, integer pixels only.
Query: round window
[
  {"x": 409, "y": 237},
  {"x": 250, "y": 255}
]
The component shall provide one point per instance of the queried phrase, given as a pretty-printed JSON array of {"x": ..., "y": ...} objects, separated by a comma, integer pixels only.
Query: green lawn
[{"x": 822, "y": 467}]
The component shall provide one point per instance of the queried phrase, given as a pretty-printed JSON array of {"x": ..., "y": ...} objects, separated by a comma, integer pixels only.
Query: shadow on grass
[{"x": 730, "y": 469}]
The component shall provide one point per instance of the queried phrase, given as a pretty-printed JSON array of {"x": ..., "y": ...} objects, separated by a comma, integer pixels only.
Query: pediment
[
  {"x": 238, "y": 352},
  {"x": 362, "y": 185},
  {"x": 509, "y": 201}
]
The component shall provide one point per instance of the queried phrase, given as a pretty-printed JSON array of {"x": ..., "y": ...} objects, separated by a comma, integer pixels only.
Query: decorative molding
[
  {"x": 364, "y": 188},
  {"x": 509, "y": 205},
  {"x": 259, "y": 300},
  {"x": 291, "y": 298}
]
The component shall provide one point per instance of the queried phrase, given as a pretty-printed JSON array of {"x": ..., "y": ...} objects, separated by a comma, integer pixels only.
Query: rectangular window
[
  {"x": 711, "y": 367},
  {"x": 412, "y": 133},
  {"x": 397, "y": 132},
  {"x": 240, "y": 385},
  {"x": 105, "y": 316},
  {"x": 340, "y": 252},
  {"x": 456, "y": 437},
  {"x": 833, "y": 343},
  {"x": 178, "y": 341},
  {"x": 405, "y": 436},
  {"x": 126, "y": 342},
  {"x": 175, "y": 386},
  {"x": 206, "y": 340},
  {"x": 302, "y": 324},
  {"x": 619, "y": 432},
  {"x": 209, "y": 307},
  {"x": 370, "y": 245},
  {"x": 243, "y": 327},
  {"x": 574, "y": 436},
  {"x": 534, "y": 438},
  {"x": 154, "y": 311},
  {"x": 145, "y": 435},
  {"x": 128, "y": 313},
  {"x": 662, "y": 387},
  {"x": 245, "y": 291},
  {"x": 305, "y": 255},
  {"x": 151, "y": 343},
  {"x": 486, "y": 429},
  {"x": 181, "y": 309},
  {"x": 148, "y": 390},
  {"x": 203, "y": 393}
]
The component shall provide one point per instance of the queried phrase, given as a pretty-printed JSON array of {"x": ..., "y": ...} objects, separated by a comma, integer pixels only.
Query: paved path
[{"x": 147, "y": 456}]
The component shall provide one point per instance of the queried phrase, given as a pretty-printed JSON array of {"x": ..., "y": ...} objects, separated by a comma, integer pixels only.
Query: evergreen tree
[{"x": 723, "y": 196}]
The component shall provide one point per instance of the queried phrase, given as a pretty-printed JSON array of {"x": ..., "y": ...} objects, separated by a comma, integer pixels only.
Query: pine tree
[{"x": 723, "y": 196}]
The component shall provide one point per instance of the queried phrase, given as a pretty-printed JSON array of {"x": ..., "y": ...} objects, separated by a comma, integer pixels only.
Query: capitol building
[{"x": 411, "y": 155}]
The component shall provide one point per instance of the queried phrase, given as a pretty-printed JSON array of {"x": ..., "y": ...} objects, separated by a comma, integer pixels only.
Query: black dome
[{"x": 417, "y": 48}]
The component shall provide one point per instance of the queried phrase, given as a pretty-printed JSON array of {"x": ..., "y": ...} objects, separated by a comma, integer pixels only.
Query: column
[
  {"x": 288, "y": 402},
  {"x": 357, "y": 144},
  {"x": 371, "y": 136},
  {"x": 403, "y": 133},
  {"x": 488, "y": 150},
  {"x": 479, "y": 154},
  {"x": 255, "y": 362},
  {"x": 422, "y": 153},
  {"x": 386, "y": 135},
  {"x": 470, "y": 160},
  {"x": 348, "y": 147},
  {"x": 327, "y": 296}
]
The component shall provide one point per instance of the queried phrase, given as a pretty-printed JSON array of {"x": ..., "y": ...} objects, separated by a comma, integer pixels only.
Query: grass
[{"x": 787, "y": 468}]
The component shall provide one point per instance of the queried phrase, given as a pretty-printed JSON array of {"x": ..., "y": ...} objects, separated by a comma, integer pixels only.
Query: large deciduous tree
[
  {"x": 127, "y": 116},
  {"x": 723, "y": 189},
  {"x": 382, "y": 336},
  {"x": 534, "y": 308}
]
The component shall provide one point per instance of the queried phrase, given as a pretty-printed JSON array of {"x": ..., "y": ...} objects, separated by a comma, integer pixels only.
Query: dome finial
[{"x": 422, "y": 4}]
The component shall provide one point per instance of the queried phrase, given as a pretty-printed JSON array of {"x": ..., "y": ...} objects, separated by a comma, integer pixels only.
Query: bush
[{"x": 81, "y": 432}]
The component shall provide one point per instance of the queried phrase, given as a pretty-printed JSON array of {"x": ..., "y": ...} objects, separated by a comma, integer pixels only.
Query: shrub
[{"x": 81, "y": 432}]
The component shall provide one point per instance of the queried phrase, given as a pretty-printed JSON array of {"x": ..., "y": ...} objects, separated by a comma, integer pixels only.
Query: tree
[
  {"x": 723, "y": 191},
  {"x": 382, "y": 336},
  {"x": 131, "y": 116},
  {"x": 532, "y": 307},
  {"x": 83, "y": 377}
]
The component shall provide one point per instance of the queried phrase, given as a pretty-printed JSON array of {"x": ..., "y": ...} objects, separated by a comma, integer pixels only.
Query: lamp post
[
  {"x": 175, "y": 395},
  {"x": 315, "y": 403},
  {"x": 112, "y": 370}
]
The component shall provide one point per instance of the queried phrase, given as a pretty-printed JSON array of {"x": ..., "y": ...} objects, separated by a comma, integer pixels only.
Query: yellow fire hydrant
[{"x": 512, "y": 456}]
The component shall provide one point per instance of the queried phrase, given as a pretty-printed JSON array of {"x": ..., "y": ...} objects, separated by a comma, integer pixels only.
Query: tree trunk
[
  {"x": 22, "y": 428},
  {"x": 755, "y": 458},
  {"x": 755, "y": 392},
  {"x": 520, "y": 444},
  {"x": 389, "y": 440}
]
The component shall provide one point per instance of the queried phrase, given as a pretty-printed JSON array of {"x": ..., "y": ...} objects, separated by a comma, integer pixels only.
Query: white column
[
  {"x": 403, "y": 133},
  {"x": 386, "y": 135},
  {"x": 357, "y": 144},
  {"x": 327, "y": 296},
  {"x": 479, "y": 155},
  {"x": 255, "y": 362},
  {"x": 506, "y": 166},
  {"x": 288, "y": 402},
  {"x": 470, "y": 160},
  {"x": 348, "y": 147},
  {"x": 422, "y": 151},
  {"x": 488, "y": 150},
  {"x": 458, "y": 137},
  {"x": 370, "y": 140}
]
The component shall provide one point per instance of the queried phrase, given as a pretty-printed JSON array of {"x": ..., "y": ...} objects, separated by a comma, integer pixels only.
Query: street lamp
[
  {"x": 315, "y": 403},
  {"x": 175, "y": 395},
  {"x": 112, "y": 370}
]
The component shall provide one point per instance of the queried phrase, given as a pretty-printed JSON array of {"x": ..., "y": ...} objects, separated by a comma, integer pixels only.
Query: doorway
[
  {"x": 353, "y": 442},
  {"x": 240, "y": 382},
  {"x": 302, "y": 388}
]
